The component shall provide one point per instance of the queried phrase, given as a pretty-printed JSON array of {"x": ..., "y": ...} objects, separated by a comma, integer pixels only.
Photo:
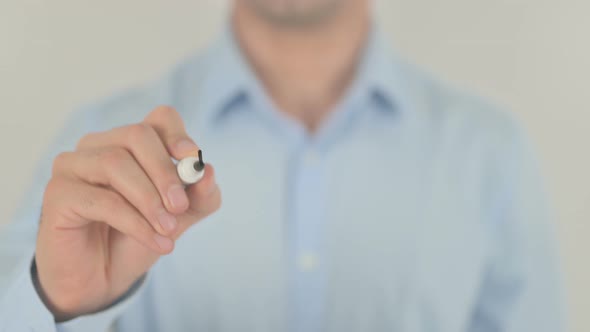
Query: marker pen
[{"x": 191, "y": 169}]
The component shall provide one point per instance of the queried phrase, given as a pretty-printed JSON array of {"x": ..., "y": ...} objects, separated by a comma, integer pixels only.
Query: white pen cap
[{"x": 191, "y": 169}]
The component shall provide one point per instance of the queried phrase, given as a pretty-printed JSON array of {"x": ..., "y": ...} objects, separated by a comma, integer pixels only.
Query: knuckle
[
  {"x": 113, "y": 158},
  {"x": 86, "y": 140},
  {"x": 54, "y": 187},
  {"x": 139, "y": 132},
  {"x": 60, "y": 162},
  {"x": 63, "y": 195},
  {"x": 163, "y": 112}
]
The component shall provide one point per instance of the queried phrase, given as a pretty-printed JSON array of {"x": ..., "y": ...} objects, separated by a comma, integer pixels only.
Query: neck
[{"x": 304, "y": 69}]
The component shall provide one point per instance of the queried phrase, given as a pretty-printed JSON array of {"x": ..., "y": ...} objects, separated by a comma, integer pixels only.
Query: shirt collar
[
  {"x": 229, "y": 79},
  {"x": 379, "y": 76}
]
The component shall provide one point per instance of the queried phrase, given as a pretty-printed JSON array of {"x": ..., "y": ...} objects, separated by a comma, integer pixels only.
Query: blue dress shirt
[{"x": 415, "y": 207}]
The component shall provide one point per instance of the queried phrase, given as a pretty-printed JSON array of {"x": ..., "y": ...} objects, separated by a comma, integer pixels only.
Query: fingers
[
  {"x": 144, "y": 144},
  {"x": 116, "y": 168},
  {"x": 205, "y": 198},
  {"x": 82, "y": 203},
  {"x": 170, "y": 127},
  {"x": 202, "y": 192},
  {"x": 149, "y": 146}
]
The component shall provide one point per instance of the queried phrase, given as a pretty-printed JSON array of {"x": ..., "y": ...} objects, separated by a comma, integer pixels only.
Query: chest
[{"x": 402, "y": 241}]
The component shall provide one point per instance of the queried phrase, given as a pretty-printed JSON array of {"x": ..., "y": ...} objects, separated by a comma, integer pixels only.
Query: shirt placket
[{"x": 305, "y": 239}]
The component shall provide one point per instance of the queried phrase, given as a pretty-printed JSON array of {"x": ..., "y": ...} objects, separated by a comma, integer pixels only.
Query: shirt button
[
  {"x": 308, "y": 262},
  {"x": 311, "y": 158}
]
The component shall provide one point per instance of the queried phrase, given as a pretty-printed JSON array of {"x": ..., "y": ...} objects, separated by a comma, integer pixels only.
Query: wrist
[{"x": 59, "y": 315}]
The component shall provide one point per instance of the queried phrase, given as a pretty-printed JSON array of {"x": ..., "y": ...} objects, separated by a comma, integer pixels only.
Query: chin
[{"x": 295, "y": 12}]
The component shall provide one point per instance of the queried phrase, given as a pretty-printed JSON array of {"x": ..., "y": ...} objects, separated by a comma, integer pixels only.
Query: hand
[{"x": 112, "y": 208}]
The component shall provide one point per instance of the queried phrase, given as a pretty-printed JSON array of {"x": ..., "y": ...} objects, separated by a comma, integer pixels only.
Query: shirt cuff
[
  {"x": 21, "y": 309},
  {"x": 102, "y": 320}
]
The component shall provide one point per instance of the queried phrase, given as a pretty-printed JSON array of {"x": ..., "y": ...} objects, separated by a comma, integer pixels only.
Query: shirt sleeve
[
  {"x": 522, "y": 288},
  {"x": 102, "y": 320},
  {"x": 21, "y": 309}
]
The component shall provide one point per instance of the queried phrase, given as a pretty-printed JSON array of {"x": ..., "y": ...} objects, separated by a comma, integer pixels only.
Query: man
[{"x": 359, "y": 195}]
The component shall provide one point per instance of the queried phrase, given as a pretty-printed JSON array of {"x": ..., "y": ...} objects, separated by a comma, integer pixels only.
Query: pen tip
[{"x": 199, "y": 165}]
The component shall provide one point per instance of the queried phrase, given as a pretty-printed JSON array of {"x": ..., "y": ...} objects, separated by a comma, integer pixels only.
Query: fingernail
[
  {"x": 167, "y": 221},
  {"x": 177, "y": 197},
  {"x": 185, "y": 146},
  {"x": 163, "y": 242}
]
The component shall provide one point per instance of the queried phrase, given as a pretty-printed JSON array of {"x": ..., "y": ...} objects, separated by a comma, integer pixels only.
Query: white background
[{"x": 532, "y": 56}]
